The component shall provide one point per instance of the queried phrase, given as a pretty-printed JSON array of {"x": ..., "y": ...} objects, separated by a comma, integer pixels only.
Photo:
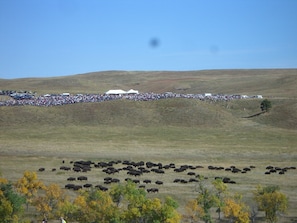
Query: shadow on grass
[{"x": 251, "y": 116}]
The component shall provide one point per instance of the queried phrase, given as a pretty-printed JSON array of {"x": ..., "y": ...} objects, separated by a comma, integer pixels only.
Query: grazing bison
[
  {"x": 181, "y": 169},
  {"x": 153, "y": 190},
  {"x": 87, "y": 185},
  {"x": 236, "y": 170},
  {"x": 134, "y": 173},
  {"x": 159, "y": 182},
  {"x": 65, "y": 168},
  {"x": 191, "y": 173},
  {"x": 158, "y": 171},
  {"x": 136, "y": 181},
  {"x": 183, "y": 181},
  {"x": 73, "y": 186},
  {"x": 102, "y": 188},
  {"x": 176, "y": 181},
  {"x": 147, "y": 181},
  {"x": 69, "y": 186},
  {"x": 77, "y": 187},
  {"x": 110, "y": 170},
  {"x": 82, "y": 178},
  {"x": 226, "y": 179},
  {"x": 114, "y": 180},
  {"x": 76, "y": 169}
]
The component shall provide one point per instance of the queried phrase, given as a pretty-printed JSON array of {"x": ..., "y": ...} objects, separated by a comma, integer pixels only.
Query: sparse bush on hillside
[{"x": 265, "y": 105}]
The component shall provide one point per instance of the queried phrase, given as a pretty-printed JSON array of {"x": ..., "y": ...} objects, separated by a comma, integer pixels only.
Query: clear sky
[{"x": 40, "y": 38}]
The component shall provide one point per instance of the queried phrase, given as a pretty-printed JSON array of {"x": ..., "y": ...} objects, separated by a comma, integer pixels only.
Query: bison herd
[{"x": 139, "y": 172}]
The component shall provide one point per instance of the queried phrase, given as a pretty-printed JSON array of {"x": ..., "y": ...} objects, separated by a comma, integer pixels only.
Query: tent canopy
[{"x": 119, "y": 91}]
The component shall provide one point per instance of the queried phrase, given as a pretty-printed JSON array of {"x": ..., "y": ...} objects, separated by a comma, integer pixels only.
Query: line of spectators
[{"x": 55, "y": 100}]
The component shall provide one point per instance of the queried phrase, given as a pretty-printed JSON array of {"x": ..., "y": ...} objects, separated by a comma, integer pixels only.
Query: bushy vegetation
[
  {"x": 126, "y": 202},
  {"x": 266, "y": 105}
]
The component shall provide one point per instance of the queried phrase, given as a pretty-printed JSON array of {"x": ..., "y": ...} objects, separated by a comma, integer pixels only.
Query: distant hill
[
  {"x": 164, "y": 112},
  {"x": 278, "y": 85},
  {"x": 267, "y": 82}
]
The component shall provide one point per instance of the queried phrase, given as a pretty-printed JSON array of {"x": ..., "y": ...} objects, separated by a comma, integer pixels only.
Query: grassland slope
[
  {"x": 125, "y": 113},
  {"x": 267, "y": 82}
]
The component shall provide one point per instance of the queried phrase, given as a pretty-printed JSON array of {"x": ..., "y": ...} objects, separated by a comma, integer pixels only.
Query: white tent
[
  {"x": 116, "y": 92},
  {"x": 131, "y": 91}
]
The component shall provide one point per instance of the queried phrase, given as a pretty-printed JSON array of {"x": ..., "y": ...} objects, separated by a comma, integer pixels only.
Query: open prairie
[{"x": 179, "y": 131}]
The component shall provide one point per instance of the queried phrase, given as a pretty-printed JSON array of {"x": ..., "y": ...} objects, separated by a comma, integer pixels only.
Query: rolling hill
[
  {"x": 267, "y": 82},
  {"x": 278, "y": 85}
]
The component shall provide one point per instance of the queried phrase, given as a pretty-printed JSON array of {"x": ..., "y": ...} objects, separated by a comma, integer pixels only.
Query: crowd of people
[{"x": 55, "y": 100}]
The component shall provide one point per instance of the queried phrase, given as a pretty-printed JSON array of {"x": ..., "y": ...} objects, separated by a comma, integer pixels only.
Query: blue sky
[{"x": 41, "y": 38}]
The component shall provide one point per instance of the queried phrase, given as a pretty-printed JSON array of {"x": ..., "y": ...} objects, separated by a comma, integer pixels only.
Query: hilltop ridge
[{"x": 268, "y": 82}]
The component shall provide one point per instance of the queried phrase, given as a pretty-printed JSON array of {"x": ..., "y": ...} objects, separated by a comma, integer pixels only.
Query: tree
[
  {"x": 235, "y": 210},
  {"x": 136, "y": 207},
  {"x": 11, "y": 203},
  {"x": 47, "y": 204},
  {"x": 206, "y": 199},
  {"x": 29, "y": 185},
  {"x": 193, "y": 211},
  {"x": 221, "y": 190},
  {"x": 95, "y": 206},
  {"x": 265, "y": 105},
  {"x": 167, "y": 211},
  {"x": 68, "y": 210},
  {"x": 272, "y": 201}
]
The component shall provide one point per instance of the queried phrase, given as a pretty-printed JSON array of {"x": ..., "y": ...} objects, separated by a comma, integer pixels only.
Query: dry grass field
[{"x": 179, "y": 131}]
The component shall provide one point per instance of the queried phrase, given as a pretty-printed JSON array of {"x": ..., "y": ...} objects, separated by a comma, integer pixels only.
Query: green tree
[
  {"x": 272, "y": 201},
  {"x": 136, "y": 207},
  {"x": 206, "y": 199},
  {"x": 266, "y": 105},
  {"x": 68, "y": 210},
  {"x": 11, "y": 203},
  {"x": 221, "y": 191}
]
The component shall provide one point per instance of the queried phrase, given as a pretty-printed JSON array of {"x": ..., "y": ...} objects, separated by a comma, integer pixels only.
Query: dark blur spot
[
  {"x": 154, "y": 43},
  {"x": 214, "y": 49}
]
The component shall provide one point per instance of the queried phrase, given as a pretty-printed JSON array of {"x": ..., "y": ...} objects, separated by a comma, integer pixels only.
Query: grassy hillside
[
  {"x": 274, "y": 83},
  {"x": 175, "y": 112},
  {"x": 170, "y": 112}
]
